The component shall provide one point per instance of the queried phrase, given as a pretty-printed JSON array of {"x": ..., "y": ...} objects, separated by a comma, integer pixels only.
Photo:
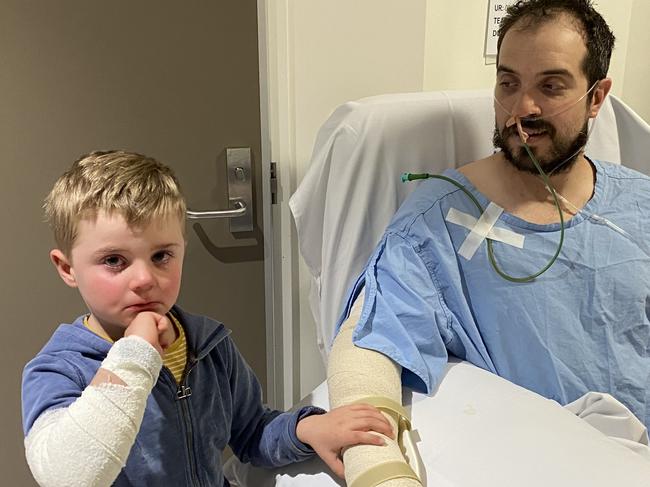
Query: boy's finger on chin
[{"x": 164, "y": 323}]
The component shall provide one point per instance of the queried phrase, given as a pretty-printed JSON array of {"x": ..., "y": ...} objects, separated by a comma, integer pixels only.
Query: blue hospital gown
[{"x": 581, "y": 326}]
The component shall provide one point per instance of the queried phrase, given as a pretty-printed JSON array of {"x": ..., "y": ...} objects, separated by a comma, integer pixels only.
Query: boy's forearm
[
  {"x": 279, "y": 444},
  {"x": 88, "y": 442},
  {"x": 259, "y": 435}
]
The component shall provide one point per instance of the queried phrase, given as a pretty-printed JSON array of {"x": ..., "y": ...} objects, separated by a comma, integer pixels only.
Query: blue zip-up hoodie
[{"x": 185, "y": 428}]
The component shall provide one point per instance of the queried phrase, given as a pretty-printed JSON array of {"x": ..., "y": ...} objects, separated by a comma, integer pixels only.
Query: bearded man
[{"x": 555, "y": 299}]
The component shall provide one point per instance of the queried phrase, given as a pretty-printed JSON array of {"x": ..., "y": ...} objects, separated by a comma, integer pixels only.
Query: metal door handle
[
  {"x": 239, "y": 210},
  {"x": 240, "y": 193}
]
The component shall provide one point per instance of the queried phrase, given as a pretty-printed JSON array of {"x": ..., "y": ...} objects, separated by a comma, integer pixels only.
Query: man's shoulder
[
  {"x": 622, "y": 172},
  {"x": 623, "y": 185},
  {"x": 429, "y": 192},
  {"x": 431, "y": 198}
]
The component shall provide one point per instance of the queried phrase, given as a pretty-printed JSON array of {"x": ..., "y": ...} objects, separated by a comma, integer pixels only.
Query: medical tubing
[
  {"x": 600, "y": 220},
  {"x": 411, "y": 177},
  {"x": 558, "y": 111}
]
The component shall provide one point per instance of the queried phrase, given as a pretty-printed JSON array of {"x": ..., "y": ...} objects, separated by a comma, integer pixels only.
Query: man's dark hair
[{"x": 599, "y": 39}]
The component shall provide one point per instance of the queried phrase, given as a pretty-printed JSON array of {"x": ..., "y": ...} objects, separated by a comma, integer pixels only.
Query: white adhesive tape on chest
[{"x": 482, "y": 228}]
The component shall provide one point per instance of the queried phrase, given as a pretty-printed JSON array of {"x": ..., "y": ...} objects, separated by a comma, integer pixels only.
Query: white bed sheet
[{"x": 481, "y": 430}]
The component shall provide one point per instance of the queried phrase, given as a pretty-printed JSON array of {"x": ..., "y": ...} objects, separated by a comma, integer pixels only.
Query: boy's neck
[{"x": 111, "y": 335}]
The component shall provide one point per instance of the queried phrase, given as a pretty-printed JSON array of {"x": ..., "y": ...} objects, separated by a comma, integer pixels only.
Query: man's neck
[{"x": 524, "y": 194}]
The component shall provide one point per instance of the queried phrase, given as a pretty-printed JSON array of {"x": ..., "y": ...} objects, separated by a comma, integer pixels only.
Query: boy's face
[{"x": 121, "y": 271}]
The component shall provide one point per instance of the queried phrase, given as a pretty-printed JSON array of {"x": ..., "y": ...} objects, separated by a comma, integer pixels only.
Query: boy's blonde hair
[{"x": 137, "y": 187}]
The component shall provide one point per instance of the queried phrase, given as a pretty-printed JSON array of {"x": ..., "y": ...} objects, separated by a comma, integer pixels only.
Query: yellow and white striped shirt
[{"x": 176, "y": 354}]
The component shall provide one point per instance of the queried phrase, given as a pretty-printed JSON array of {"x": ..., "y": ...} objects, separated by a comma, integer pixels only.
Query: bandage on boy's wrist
[{"x": 135, "y": 361}]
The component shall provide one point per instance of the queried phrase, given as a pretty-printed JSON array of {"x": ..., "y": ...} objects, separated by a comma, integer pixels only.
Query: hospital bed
[{"x": 477, "y": 428}]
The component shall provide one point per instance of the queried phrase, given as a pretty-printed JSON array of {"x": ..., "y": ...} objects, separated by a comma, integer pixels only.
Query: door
[{"x": 175, "y": 80}]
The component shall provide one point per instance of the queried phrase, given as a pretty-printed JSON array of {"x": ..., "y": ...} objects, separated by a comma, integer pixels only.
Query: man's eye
[
  {"x": 114, "y": 261},
  {"x": 553, "y": 87},
  {"x": 505, "y": 84},
  {"x": 161, "y": 257}
]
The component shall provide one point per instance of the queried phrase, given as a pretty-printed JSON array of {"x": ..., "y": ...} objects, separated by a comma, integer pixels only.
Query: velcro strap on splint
[
  {"x": 390, "y": 407},
  {"x": 390, "y": 470},
  {"x": 383, "y": 472}
]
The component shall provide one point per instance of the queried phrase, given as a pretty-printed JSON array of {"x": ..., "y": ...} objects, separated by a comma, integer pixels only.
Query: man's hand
[
  {"x": 154, "y": 328},
  {"x": 328, "y": 434}
]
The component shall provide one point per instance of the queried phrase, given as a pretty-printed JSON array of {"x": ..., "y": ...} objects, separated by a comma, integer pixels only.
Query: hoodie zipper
[{"x": 183, "y": 393}]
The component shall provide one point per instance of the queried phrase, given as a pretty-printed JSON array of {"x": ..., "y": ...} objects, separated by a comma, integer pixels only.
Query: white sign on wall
[{"x": 496, "y": 11}]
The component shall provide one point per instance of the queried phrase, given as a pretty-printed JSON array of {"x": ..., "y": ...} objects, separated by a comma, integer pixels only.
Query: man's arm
[{"x": 355, "y": 374}]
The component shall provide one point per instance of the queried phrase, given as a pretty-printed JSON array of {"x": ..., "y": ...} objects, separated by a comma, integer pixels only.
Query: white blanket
[{"x": 481, "y": 430}]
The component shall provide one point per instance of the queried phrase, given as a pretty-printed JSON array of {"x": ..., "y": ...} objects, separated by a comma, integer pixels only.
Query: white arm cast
[
  {"x": 87, "y": 443},
  {"x": 353, "y": 374}
]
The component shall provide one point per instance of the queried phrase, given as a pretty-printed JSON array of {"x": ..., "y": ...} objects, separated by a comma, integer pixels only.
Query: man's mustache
[{"x": 532, "y": 124}]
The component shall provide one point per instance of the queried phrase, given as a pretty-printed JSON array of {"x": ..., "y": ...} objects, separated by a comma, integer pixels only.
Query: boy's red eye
[
  {"x": 161, "y": 257},
  {"x": 113, "y": 261}
]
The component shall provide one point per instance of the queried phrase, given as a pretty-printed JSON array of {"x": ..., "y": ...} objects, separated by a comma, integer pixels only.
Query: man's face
[{"x": 539, "y": 79}]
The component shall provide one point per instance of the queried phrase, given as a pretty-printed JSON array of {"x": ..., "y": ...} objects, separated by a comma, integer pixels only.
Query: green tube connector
[{"x": 409, "y": 176}]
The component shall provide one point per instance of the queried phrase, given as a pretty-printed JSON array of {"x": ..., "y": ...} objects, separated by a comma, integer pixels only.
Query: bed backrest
[{"x": 352, "y": 187}]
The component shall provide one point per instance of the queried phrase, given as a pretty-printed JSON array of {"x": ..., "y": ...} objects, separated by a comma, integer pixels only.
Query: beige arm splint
[{"x": 357, "y": 375}]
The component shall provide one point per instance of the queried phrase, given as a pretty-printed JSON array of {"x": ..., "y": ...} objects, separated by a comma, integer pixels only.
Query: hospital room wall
[
  {"x": 454, "y": 40},
  {"x": 322, "y": 53},
  {"x": 637, "y": 67}
]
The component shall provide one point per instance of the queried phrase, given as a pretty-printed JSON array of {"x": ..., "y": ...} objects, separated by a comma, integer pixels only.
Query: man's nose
[{"x": 526, "y": 106}]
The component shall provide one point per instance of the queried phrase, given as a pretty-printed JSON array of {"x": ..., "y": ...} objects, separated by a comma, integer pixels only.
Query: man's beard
[{"x": 563, "y": 153}]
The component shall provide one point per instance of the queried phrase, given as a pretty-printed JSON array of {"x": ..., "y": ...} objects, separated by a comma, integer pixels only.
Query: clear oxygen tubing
[
  {"x": 515, "y": 119},
  {"x": 601, "y": 220},
  {"x": 594, "y": 217}
]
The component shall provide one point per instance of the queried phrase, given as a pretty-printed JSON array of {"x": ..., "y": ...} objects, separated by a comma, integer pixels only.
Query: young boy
[{"x": 139, "y": 392}]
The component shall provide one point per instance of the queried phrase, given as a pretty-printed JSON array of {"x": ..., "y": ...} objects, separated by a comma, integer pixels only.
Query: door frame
[
  {"x": 281, "y": 259},
  {"x": 279, "y": 392}
]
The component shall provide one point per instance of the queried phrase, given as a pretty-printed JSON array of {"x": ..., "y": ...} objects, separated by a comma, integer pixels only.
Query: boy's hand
[
  {"x": 154, "y": 328},
  {"x": 328, "y": 434}
]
